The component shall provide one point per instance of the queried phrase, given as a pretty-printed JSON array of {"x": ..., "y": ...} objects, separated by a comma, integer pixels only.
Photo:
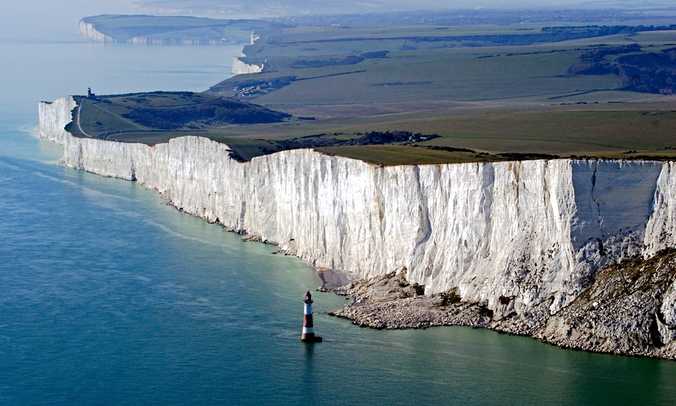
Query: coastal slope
[{"x": 521, "y": 238}]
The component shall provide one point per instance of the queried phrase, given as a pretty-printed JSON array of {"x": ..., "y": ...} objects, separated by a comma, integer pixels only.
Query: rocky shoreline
[
  {"x": 511, "y": 246},
  {"x": 629, "y": 309}
]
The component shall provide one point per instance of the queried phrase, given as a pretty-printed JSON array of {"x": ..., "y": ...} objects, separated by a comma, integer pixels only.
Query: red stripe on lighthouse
[{"x": 308, "y": 334}]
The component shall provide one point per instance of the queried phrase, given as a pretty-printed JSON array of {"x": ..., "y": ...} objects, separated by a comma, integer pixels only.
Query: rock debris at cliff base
[
  {"x": 522, "y": 239},
  {"x": 629, "y": 309}
]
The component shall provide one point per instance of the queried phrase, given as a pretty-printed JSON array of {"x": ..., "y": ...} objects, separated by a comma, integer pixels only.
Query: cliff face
[
  {"x": 242, "y": 68},
  {"x": 627, "y": 310},
  {"x": 534, "y": 232},
  {"x": 53, "y": 118},
  {"x": 188, "y": 36},
  {"x": 239, "y": 67},
  {"x": 89, "y": 31},
  {"x": 661, "y": 228}
]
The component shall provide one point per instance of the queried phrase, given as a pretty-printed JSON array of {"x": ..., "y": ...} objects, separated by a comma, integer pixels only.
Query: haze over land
[
  {"x": 277, "y": 8},
  {"x": 48, "y": 20},
  {"x": 57, "y": 20}
]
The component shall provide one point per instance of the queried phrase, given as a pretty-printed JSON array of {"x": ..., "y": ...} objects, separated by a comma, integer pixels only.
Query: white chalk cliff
[
  {"x": 535, "y": 231},
  {"x": 89, "y": 31},
  {"x": 53, "y": 118},
  {"x": 240, "y": 67}
]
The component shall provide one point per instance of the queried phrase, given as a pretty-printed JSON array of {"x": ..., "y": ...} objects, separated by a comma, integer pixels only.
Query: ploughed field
[{"x": 426, "y": 93}]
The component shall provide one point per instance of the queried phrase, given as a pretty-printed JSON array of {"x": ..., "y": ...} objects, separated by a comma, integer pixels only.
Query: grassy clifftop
[
  {"x": 474, "y": 92},
  {"x": 142, "y": 116}
]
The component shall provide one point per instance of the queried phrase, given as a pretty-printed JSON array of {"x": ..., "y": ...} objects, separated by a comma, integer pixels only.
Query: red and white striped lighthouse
[{"x": 308, "y": 335}]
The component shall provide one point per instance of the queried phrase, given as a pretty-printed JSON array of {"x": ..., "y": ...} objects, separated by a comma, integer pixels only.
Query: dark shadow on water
[
  {"x": 311, "y": 385},
  {"x": 309, "y": 354}
]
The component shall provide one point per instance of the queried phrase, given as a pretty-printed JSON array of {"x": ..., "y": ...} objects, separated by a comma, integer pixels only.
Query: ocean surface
[{"x": 110, "y": 297}]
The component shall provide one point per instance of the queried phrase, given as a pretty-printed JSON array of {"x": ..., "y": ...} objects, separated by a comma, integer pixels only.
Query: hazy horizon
[
  {"x": 58, "y": 22},
  {"x": 267, "y": 8}
]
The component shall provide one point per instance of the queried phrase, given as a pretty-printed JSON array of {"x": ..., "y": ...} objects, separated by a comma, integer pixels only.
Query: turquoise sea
[{"x": 110, "y": 297}]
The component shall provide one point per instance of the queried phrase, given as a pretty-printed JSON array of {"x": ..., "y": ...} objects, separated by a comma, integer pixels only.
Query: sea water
[{"x": 108, "y": 296}]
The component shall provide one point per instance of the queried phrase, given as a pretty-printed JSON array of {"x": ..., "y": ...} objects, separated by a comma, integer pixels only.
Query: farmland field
[{"x": 495, "y": 91}]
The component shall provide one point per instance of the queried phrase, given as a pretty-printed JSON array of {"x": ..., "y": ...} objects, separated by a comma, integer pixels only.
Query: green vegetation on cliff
[
  {"x": 479, "y": 92},
  {"x": 133, "y": 117}
]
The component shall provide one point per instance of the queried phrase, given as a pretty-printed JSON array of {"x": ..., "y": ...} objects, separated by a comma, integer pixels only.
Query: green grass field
[
  {"x": 566, "y": 133},
  {"x": 491, "y": 99},
  {"x": 133, "y": 116}
]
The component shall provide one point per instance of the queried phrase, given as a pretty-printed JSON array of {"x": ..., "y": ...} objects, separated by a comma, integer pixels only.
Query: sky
[
  {"x": 283, "y": 7},
  {"x": 29, "y": 20},
  {"x": 354, "y": 6}
]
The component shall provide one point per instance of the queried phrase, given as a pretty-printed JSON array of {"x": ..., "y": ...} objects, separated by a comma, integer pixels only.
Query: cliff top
[
  {"x": 462, "y": 93},
  {"x": 623, "y": 131},
  {"x": 144, "y": 116},
  {"x": 175, "y": 29}
]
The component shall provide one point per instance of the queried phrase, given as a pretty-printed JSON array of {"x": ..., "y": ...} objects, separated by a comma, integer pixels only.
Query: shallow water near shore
[{"x": 109, "y": 296}]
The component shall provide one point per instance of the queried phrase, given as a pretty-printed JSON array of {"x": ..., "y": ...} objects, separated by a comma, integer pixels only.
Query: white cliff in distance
[
  {"x": 89, "y": 31},
  {"x": 240, "y": 67}
]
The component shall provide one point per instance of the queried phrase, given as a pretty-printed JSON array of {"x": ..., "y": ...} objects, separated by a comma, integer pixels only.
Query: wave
[
  {"x": 128, "y": 213},
  {"x": 180, "y": 235},
  {"x": 10, "y": 166},
  {"x": 106, "y": 200},
  {"x": 81, "y": 187},
  {"x": 32, "y": 130}
]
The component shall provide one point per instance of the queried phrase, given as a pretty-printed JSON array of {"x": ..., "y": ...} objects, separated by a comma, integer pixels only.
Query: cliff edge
[{"x": 524, "y": 239}]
